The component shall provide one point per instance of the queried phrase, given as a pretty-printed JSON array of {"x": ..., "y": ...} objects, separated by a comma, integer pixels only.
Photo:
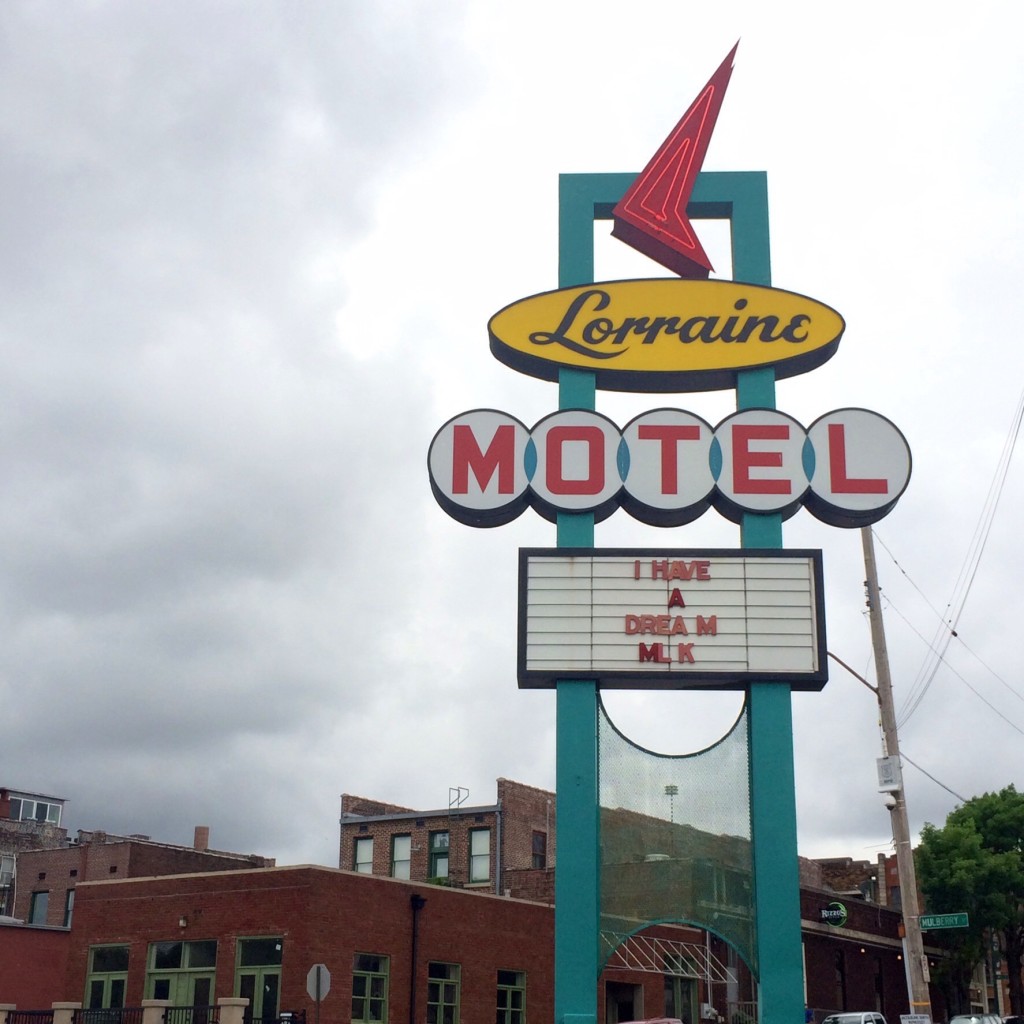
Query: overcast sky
[{"x": 250, "y": 251}]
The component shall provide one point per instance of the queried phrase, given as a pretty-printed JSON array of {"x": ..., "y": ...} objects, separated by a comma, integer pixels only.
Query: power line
[
  {"x": 968, "y": 571},
  {"x": 942, "y": 658},
  {"x": 903, "y": 756}
]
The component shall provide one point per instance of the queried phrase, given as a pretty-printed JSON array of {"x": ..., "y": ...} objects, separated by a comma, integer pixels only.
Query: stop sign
[{"x": 318, "y": 981}]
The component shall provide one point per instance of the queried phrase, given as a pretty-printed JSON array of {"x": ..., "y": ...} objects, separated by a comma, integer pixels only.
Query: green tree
[{"x": 976, "y": 863}]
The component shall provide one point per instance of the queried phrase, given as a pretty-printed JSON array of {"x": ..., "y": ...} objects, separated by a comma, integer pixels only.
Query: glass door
[{"x": 261, "y": 987}]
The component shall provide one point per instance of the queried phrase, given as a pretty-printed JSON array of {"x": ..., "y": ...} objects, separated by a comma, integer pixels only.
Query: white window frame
[
  {"x": 478, "y": 857},
  {"x": 396, "y": 871},
  {"x": 27, "y": 804},
  {"x": 360, "y": 862}
]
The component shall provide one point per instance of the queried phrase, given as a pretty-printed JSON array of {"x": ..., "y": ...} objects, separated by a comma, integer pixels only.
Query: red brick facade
[
  {"x": 324, "y": 915},
  {"x": 521, "y": 826},
  {"x": 858, "y": 964},
  {"x": 33, "y": 965},
  {"x": 327, "y": 915},
  {"x": 100, "y": 857}
]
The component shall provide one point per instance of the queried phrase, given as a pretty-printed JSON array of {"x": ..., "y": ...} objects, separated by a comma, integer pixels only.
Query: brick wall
[
  {"x": 16, "y": 836},
  {"x": 531, "y": 884},
  {"x": 525, "y": 811},
  {"x": 33, "y": 964},
  {"x": 369, "y": 808},
  {"x": 419, "y": 827},
  {"x": 866, "y": 952},
  {"x": 57, "y": 871},
  {"x": 155, "y": 859}
]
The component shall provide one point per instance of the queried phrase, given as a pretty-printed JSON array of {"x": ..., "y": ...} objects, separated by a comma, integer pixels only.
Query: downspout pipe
[
  {"x": 498, "y": 891},
  {"x": 417, "y": 902}
]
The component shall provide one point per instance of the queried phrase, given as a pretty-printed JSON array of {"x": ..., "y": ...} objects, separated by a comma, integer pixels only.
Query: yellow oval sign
[{"x": 665, "y": 334}]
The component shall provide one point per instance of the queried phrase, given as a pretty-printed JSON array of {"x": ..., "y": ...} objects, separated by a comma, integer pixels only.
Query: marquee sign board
[{"x": 671, "y": 619}]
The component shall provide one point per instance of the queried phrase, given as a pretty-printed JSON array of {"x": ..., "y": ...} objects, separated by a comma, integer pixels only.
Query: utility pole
[{"x": 917, "y": 962}]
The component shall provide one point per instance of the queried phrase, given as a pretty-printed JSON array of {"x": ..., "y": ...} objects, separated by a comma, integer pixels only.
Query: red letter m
[
  {"x": 652, "y": 653},
  {"x": 500, "y": 455}
]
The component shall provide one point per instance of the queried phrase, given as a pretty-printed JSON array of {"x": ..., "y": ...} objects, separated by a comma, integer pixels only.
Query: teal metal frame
[{"x": 742, "y": 198}]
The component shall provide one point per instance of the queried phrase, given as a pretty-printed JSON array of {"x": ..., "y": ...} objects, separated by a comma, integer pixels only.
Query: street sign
[
  {"x": 318, "y": 981},
  {"x": 915, "y": 1018},
  {"x": 943, "y": 921}
]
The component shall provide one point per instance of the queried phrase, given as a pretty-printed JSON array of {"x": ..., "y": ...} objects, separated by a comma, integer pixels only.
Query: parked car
[
  {"x": 855, "y": 1017},
  {"x": 976, "y": 1018}
]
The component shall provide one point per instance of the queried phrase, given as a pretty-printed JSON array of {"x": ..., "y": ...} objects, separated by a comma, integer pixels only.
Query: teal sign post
[
  {"x": 575, "y": 467},
  {"x": 742, "y": 198}
]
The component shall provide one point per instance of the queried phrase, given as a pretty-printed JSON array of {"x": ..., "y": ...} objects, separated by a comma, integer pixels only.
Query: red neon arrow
[{"x": 651, "y": 216}]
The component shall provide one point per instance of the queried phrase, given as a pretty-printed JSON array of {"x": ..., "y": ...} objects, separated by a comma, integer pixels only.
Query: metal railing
[
  {"x": 30, "y": 1017},
  {"x": 109, "y": 1015},
  {"x": 284, "y": 1017},
  {"x": 192, "y": 1015},
  {"x": 742, "y": 1012}
]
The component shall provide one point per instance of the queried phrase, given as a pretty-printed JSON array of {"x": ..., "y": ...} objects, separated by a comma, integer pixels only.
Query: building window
[
  {"x": 39, "y": 905},
  {"x": 182, "y": 972},
  {"x": 442, "y": 993},
  {"x": 363, "y": 858},
  {"x": 540, "y": 850},
  {"x": 511, "y": 997},
  {"x": 369, "y": 988},
  {"x": 722, "y": 887},
  {"x": 438, "y": 854},
  {"x": 39, "y": 811},
  {"x": 480, "y": 855},
  {"x": 6, "y": 884},
  {"x": 258, "y": 976},
  {"x": 681, "y": 974},
  {"x": 69, "y": 907},
  {"x": 260, "y": 952},
  {"x": 401, "y": 854},
  {"x": 108, "y": 977}
]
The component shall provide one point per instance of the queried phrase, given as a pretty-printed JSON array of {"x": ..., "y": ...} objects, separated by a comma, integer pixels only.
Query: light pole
[
  {"x": 917, "y": 962},
  {"x": 671, "y": 790}
]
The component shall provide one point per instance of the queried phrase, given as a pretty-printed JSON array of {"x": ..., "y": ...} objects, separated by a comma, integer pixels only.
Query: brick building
[
  {"x": 856, "y": 965},
  {"x": 48, "y": 879},
  {"x": 466, "y": 927},
  {"x": 393, "y": 947},
  {"x": 28, "y": 821},
  {"x": 505, "y": 848}
]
